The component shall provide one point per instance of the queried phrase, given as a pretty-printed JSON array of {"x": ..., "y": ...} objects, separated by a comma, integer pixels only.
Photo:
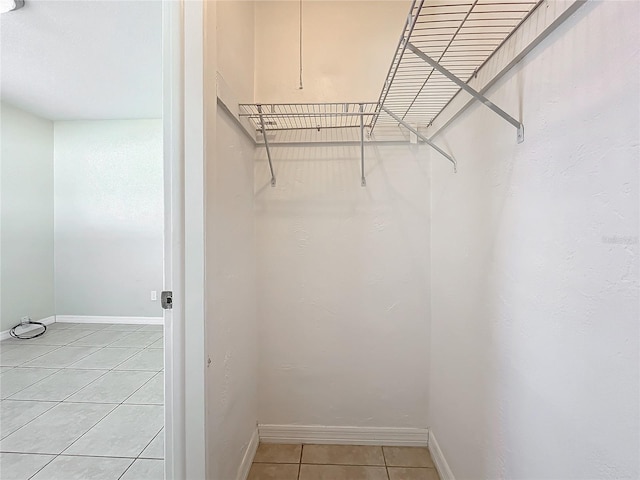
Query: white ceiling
[{"x": 83, "y": 59}]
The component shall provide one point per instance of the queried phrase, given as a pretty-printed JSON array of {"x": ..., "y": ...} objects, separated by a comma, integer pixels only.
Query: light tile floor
[
  {"x": 84, "y": 401},
  {"x": 341, "y": 462}
]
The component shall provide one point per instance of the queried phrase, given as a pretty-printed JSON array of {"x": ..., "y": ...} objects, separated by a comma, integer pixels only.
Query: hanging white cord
[{"x": 301, "y": 87}]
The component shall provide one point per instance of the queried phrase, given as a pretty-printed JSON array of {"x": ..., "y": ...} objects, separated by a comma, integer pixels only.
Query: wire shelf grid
[{"x": 460, "y": 35}]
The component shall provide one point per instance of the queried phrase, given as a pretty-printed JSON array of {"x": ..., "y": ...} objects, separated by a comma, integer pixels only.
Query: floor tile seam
[
  {"x": 116, "y": 405},
  {"x": 113, "y": 410},
  {"x": 346, "y": 465},
  {"x": 149, "y": 347},
  {"x": 81, "y": 388},
  {"x": 99, "y": 349},
  {"x": 109, "y": 370},
  {"x": 129, "y": 333},
  {"x": 127, "y": 469},
  {"x": 89, "y": 429},
  {"x": 121, "y": 457},
  {"x": 114, "y": 369},
  {"x": 129, "y": 358},
  {"x": 58, "y": 347},
  {"x": 386, "y": 467},
  {"x": 69, "y": 367},
  {"x": 37, "y": 381},
  {"x": 34, "y": 418},
  {"x": 147, "y": 445},
  {"x": 84, "y": 336},
  {"x": 75, "y": 340},
  {"x": 61, "y": 455},
  {"x": 405, "y": 466},
  {"x": 108, "y": 344},
  {"x": 43, "y": 467},
  {"x": 109, "y": 412},
  {"x": 66, "y": 366},
  {"x": 139, "y": 388}
]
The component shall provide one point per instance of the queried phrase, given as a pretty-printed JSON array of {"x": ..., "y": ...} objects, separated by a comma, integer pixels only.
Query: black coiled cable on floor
[{"x": 24, "y": 337}]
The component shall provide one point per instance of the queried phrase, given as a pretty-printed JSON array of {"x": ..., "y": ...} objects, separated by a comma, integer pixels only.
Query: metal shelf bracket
[
  {"x": 474, "y": 93},
  {"x": 363, "y": 180},
  {"x": 422, "y": 137},
  {"x": 266, "y": 144}
]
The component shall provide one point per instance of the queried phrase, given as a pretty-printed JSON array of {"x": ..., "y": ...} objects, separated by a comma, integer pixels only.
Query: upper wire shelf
[
  {"x": 442, "y": 46},
  {"x": 308, "y": 116},
  {"x": 460, "y": 35}
]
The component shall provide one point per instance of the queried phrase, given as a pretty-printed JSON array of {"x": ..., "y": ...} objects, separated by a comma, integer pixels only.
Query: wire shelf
[
  {"x": 460, "y": 35},
  {"x": 308, "y": 116},
  {"x": 442, "y": 46}
]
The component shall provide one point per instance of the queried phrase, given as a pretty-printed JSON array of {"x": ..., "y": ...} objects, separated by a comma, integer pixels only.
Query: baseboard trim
[
  {"x": 438, "y": 458},
  {"x": 109, "y": 319},
  {"x": 320, "y": 434},
  {"x": 47, "y": 321},
  {"x": 249, "y": 454}
]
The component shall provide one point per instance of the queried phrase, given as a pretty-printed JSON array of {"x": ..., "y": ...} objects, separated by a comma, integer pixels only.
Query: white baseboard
[
  {"x": 320, "y": 434},
  {"x": 108, "y": 319},
  {"x": 249, "y": 454},
  {"x": 438, "y": 458},
  {"x": 47, "y": 321}
]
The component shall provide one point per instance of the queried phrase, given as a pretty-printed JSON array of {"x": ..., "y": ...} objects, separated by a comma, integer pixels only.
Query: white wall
[
  {"x": 534, "y": 339},
  {"x": 237, "y": 46},
  {"x": 230, "y": 246},
  {"x": 343, "y": 275},
  {"x": 26, "y": 243},
  {"x": 231, "y": 302},
  {"x": 343, "y": 271},
  {"x": 347, "y": 49},
  {"x": 108, "y": 217}
]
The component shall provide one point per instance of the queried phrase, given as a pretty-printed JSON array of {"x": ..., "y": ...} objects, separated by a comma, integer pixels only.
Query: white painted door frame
[{"x": 183, "y": 122}]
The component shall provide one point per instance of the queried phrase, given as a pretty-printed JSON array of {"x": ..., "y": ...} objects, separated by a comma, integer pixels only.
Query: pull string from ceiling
[{"x": 301, "y": 86}]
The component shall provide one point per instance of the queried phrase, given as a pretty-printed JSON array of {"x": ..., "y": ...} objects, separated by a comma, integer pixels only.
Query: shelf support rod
[
  {"x": 266, "y": 144},
  {"x": 363, "y": 180},
  {"x": 422, "y": 137},
  {"x": 474, "y": 93}
]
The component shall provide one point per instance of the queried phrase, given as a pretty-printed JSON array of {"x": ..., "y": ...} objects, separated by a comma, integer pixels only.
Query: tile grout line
[
  {"x": 122, "y": 403},
  {"x": 57, "y": 455},
  {"x": 116, "y": 405},
  {"x": 59, "y": 369},
  {"x": 386, "y": 467},
  {"x": 127, "y": 469},
  {"x": 147, "y": 446},
  {"x": 30, "y": 385},
  {"x": 106, "y": 371}
]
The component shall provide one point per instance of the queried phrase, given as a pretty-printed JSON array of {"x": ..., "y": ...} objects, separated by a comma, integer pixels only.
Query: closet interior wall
[
  {"x": 230, "y": 243},
  {"x": 466, "y": 303},
  {"x": 534, "y": 257},
  {"x": 343, "y": 271}
]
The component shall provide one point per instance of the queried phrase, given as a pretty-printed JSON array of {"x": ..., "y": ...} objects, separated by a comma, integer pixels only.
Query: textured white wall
[
  {"x": 231, "y": 301},
  {"x": 347, "y": 49},
  {"x": 108, "y": 217},
  {"x": 232, "y": 333},
  {"x": 343, "y": 275},
  {"x": 236, "y": 46},
  {"x": 26, "y": 242},
  {"x": 342, "y": 270},
  {"x": 534, "y": 338}
]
